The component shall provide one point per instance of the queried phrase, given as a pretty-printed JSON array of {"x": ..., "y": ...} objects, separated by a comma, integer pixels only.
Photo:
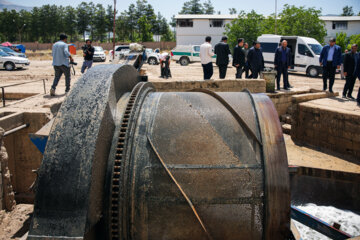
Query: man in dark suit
[
  {"x": 330, "y": 59},
  {"x": 222, "y": 52},
  {"x": 239, "y": 58},
  {"x": 256, "y": 60},
  {"x": 282, "y": 63},
  {"x": 350, "y": 70}
]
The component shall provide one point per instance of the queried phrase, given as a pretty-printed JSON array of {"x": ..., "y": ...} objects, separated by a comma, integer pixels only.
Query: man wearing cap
[
  {"x": 61, "y": 56},
  {"x": 330, "y": 59},
  {"x": 256, "y": 60},
  {"x": 222, "y": 51}
]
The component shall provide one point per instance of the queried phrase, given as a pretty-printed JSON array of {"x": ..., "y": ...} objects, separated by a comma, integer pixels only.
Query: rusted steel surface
[
  {"x": 196, "y": 168},
  {"x": 180, "y": 165},
  {"x": 69, "y": 197}
]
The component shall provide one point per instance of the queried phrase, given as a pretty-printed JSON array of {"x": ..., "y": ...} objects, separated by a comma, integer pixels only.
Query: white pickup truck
[{"x": 10, "y": 63}]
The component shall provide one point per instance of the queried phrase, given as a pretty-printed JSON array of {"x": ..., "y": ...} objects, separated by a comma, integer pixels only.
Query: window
[
  {"x": 197, "y": 49},
  {"x": 304, "y": 50},
  {"x": 269, "y": 47},
  {"x": 317, "y": 48},
  {"x": 340, "y": 25},
  {"x": 185, "y": 23},
  {"x": 217, "y": 23}
]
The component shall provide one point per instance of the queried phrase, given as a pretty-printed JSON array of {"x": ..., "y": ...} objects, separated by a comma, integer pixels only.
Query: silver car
[
  {"x": 99, "y": 54},
  {"x": 12, "y": 52}
]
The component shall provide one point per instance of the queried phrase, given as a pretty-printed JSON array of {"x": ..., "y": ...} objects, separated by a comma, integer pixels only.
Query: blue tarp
[{"x": 21, "y": 47}]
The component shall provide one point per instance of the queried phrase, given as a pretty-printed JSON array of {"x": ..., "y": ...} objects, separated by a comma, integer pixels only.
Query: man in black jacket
[
  {"x": 282, "y": 63},
  {"x": 350, "y": 69},
  {"x": 222, "y": 52},
  {"x": 256, "y": 60},
  {"x": 239, "y": 58}
]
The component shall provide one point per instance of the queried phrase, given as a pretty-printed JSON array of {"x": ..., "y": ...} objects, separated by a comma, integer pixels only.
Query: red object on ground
[{"x": 6, "y": 44}]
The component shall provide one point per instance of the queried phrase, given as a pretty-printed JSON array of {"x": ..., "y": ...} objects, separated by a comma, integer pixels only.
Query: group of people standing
[{"x": 244, "y": 59}]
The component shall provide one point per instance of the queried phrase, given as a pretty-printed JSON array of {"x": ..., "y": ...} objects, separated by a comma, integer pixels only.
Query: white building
[
  {"x": 192, "y": 29},
  {"x": 336, "y": 24}
]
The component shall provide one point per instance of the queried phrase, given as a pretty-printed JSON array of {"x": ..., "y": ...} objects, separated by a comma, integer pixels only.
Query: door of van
[
  {"x": 196, "y": 54},
  {"x": 303, "y": 57}
]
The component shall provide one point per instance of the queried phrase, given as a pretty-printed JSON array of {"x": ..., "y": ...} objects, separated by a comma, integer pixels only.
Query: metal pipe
[
  {"x": 15, "y": 129},
  {"x": 3, "y": 95},
  {"x": 44, "y": 86}
]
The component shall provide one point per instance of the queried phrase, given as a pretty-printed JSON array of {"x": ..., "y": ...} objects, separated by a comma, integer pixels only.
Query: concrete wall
[
  {"x": 23, "y": 155},
  {"x": 327, "y": 128},
  {"x": 353, "y": 28},
  {"x": 254, "y": 85},
  {"x": 196, "y": 35}
]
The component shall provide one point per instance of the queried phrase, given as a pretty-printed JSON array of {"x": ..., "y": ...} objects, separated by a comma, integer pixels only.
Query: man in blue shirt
[
  {"x": 61, "y": 56},
  {"x": 282, "y": 64},
  {"x": 330, "y": 59}
]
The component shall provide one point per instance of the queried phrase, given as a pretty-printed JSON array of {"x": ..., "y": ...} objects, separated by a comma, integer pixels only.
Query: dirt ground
[{"x": 14, "y": 225}]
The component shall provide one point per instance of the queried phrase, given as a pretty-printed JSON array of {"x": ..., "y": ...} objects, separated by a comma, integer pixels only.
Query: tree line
[{"x": 44, "y": 24}]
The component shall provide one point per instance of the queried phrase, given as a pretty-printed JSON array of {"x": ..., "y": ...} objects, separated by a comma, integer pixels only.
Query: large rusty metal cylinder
[{"x": 154, "y": 165}]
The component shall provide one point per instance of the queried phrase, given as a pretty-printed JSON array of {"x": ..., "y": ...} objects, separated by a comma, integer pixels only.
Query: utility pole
[
  {"x": 275, "y": 16},
  {"x": 114, "y": 30}
]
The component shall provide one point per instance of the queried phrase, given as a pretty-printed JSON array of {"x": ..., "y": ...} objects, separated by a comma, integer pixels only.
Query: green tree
[
  {"x": 354, "y": 39},
  {"x": 347, "y": 11},
  {"x": 192, "y": 7},
  {"x": 248, "y": 26},
  {"x": 342, "y": 40},
  {"x": 145, "y": 30},
  {"x": 232, "y": 11},
  {"x": 300, "y": 21},
  {"x": 100, "y": 25},
  {"x": 208, "y": 7},
  {"x": 109, "y": 20},
  {"x": 70, "y": 21},
  {"x": 84, "y": 14}
]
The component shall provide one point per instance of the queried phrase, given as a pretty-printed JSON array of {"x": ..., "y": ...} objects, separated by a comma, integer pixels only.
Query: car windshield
[
  {"x": 3, "y": 54},
  {"x": 316, "y": 48},
  {"x": 99, "y": 49},
  {"x": 6, "y": 49}
]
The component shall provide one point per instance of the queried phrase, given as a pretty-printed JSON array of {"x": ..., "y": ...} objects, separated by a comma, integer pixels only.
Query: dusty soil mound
[{"x": 15, "y": 224}]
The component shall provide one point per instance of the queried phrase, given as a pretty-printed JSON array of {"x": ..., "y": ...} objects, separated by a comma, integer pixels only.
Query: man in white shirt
[{"x": 206, "y": 55}]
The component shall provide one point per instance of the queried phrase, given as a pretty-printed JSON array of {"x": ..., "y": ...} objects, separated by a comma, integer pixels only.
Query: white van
[{"x": 305, "y": 52}]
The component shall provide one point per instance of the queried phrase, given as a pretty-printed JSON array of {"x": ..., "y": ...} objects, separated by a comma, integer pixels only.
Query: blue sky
[{"x": 171, "y": 7}]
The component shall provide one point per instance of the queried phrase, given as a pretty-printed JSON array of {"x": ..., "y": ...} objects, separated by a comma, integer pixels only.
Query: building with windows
[
  {"x": 192, "y": 29},
  {"x": 336, "y": 24}
]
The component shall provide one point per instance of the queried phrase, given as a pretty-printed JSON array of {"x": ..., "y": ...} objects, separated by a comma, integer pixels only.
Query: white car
[
  {"x": 153, "y": 58},
  {"x": 11, "y": 62},
  {"x": 119, "y": 50},
  {"x": 99, "y": 54}
]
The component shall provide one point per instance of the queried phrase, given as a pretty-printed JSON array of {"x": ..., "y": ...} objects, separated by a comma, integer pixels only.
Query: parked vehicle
[
  {"x": 185, "y": 54},
  {"x": 10, "y": 63},
  {"x": 305, "y": 52},
  {"x": 119, "y": 50},
  {"x": 153, "y": 58},
  {"x": 99, "y": 54},
  {"x": 12, "y": 52}
]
